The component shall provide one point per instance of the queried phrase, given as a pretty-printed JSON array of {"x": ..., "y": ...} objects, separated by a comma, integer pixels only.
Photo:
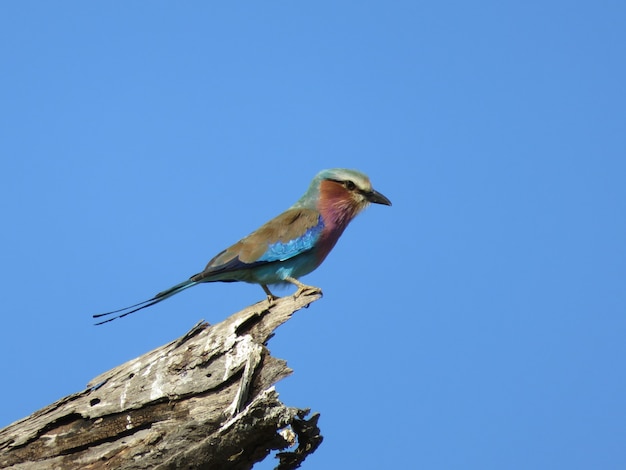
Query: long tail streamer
[{"x": 161, "y": 296}]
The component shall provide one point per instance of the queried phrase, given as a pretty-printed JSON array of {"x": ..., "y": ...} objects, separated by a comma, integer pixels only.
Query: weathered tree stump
[{"x": 203, "y": 401}]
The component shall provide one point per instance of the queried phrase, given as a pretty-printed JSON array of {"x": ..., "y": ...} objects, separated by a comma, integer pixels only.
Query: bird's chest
[{"x": 328, "y": 239}]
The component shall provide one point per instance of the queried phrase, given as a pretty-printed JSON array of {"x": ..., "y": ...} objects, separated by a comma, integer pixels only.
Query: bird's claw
[
  {"x": 303, "y": 288},
  {"x": 271, "y": 298}
]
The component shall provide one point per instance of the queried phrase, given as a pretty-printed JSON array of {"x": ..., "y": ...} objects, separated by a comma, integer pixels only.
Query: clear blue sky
[{"x": 480, "y": 322}]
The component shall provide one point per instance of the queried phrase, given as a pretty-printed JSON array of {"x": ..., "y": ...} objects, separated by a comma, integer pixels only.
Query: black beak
[{"x": 377, "y": 198}]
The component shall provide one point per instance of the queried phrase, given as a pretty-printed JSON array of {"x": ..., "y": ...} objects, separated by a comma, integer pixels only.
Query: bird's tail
[{"x": 166, "y": 294}]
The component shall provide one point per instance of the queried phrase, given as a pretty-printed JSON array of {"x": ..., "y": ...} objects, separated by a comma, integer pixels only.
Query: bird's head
[{"x": 341, "y": 194}]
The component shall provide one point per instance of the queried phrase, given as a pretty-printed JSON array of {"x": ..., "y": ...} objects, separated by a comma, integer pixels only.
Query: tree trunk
[{"x": 203, "y": 401}]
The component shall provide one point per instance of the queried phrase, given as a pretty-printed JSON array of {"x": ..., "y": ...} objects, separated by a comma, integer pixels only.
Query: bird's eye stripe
[{"x": 348, "y": 184}]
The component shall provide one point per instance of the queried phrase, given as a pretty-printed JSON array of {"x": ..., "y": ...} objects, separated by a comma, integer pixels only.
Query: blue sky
[{"x": 477, "y": 323}]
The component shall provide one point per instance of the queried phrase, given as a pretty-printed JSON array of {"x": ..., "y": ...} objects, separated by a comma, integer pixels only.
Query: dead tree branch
[{"x": 203, "y": 401}]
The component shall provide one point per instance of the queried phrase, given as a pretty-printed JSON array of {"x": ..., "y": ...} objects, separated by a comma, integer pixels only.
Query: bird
[{"x": 287, "y": 247}]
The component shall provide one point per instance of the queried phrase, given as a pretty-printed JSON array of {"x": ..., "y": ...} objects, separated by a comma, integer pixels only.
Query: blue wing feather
[
  {"x": 229, "y": 261},
  {"x": 281, "y": 251}
]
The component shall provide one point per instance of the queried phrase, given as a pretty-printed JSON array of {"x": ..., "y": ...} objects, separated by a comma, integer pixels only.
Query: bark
[{"x": 203, "y": 401}]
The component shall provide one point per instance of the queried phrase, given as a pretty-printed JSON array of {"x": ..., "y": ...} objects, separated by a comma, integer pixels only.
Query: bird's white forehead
[{"x": 344, "y": 174}]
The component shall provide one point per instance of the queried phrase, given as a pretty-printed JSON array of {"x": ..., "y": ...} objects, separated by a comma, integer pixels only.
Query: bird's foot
[
  {"x": 306, "y": 290},
  {"x": 303, "y": 288},
  {"x": 271, "y": 298}
]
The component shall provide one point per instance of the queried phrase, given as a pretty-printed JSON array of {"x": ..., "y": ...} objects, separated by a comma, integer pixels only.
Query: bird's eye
[{"x": 350, "y": 185}]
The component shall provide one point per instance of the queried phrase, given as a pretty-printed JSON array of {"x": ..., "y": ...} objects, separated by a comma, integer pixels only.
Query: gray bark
[{"x": 203, "y": 401}]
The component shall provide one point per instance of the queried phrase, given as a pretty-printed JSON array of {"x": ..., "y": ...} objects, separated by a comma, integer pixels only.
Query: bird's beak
[{"x": 377, "y": 198}]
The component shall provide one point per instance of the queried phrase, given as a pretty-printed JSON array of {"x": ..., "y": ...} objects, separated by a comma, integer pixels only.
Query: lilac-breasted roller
[{"x": 288, "y": 246}]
